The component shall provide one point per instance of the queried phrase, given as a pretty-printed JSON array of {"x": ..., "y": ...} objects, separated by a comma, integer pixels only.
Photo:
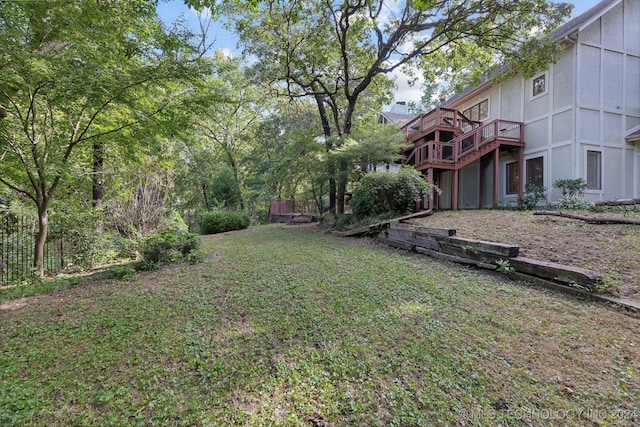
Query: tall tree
[
  {"x": 337, "y": 53},
  {"x": 75, "y": 73},
  {"x": 233, "y": 106}
]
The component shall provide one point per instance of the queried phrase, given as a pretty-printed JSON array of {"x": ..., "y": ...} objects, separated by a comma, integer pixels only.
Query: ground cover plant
[
  {"x": 612, "y": 250},
  {"x": 290, "y": 326}
]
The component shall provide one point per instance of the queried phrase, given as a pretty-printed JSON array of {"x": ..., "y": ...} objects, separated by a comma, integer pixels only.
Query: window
[
  {"x": 478, "y": 112},
  {"x": 539, "y": 85},
  {"x": 594, "y": 168},
  {"x": 535, "y": 171},
  {"x": 512, "y": 178}
]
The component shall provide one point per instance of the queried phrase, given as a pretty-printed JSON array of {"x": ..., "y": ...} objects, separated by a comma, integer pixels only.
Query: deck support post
[
  {"x": 454, "y": 190},
  {"x": 520, "y": 173},
  {"x": 430, "y": 179},
  {"x": 496, "y": 176}
]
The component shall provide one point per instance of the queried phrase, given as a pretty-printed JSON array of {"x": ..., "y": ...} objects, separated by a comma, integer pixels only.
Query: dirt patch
[
  {"x": 13, "y": 305},
  {"x": 612, "y": 250}
]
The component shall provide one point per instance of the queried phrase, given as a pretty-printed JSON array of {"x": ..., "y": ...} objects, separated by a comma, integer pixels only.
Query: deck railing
[
  {"x": 441, "y": 117},
  {"x": 467, "y": 143}
]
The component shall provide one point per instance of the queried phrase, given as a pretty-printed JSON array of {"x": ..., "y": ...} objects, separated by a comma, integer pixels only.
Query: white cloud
[
  {"x": 226, "y": 52},
  {"x": 404, "y": 91}
]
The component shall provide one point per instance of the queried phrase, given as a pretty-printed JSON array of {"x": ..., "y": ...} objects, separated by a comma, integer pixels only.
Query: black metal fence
[{"x": 17, "y": 242}]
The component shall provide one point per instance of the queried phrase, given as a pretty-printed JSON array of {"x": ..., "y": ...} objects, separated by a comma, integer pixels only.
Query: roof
[
  {"x": 397, "y": 118},
  {"x": 581, "y": 19},
  {"x": 633, "y": 135},
  {"x": 560, "y": 33}
]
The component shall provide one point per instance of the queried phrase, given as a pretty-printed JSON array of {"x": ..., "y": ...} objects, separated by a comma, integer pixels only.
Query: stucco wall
[{"x": 592, "y": 100}]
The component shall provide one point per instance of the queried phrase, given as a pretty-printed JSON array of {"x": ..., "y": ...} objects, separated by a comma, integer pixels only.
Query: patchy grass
[
  {"x": 612, "y": 250},
  {"x": 288, "y": 326}
]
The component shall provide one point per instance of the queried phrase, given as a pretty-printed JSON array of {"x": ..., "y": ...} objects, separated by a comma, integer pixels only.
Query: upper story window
[
  {"x": 478, "y": 112},
  {"x": 539, "y": 85}
]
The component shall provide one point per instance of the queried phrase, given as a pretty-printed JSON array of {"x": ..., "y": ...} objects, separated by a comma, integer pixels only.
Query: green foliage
[
  {"x": 170, "y": 246},
  {"x": 123, "y": 272},
  {"x": 76, "y": 73},
  {"x": 220, "y": 222},
  {"x": 345, "y": 221},
  {"x": 84, "y": 244},
  {"x": 577, "y": 203},
  {"x": 326, "y": 328},
  {"x": 573, "y": 188},
  {"x": 533, "y": 194},
  {"x": 389, "y": 192},
  {"x": 504, "y": 267}
]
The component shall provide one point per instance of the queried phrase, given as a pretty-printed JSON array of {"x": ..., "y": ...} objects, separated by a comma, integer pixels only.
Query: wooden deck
[{"x": 465, "y": 148}]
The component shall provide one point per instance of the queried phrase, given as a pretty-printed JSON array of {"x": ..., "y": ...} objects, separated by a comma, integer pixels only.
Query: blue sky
[{"x": 172, "y": 10}]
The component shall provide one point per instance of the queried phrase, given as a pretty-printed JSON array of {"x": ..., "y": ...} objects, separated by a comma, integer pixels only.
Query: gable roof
[
  {"x": 578, "y": 22},
  {"x": 633, "y": 135},
  {"x": 397, "y": 118},
  {"x": 558, "y": 34}
]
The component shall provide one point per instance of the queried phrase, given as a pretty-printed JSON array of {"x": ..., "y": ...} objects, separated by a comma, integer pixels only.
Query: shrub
[
  {"x": 170, "y": 246},
  {"x": 85, "y": 246},
  {"x": 219, "y": 222},
  {"x": 573, "y": 203},
  {"x": 571, "y": 187},
  {"x": 389, "y": 192},
  {"x": 532, "y": 195}
]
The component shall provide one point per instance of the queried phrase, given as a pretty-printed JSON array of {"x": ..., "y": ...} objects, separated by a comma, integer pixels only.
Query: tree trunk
[
  {"x": 342, "y": 186},
  {"x": 98, "y": 173},
  {"x": 326, "y": 130},
  {"x": 206, "y": 198},
  {"x": 41, "y": 238},
  {"x": 591, "y": 219}
]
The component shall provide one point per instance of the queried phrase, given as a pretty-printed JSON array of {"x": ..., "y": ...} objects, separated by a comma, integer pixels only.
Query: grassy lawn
[{"x": 289, "y": 326}]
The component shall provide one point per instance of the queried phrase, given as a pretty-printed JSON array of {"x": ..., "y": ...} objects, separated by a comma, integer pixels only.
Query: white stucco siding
[
  {"x": 562, "y": 125},
  {"x": 563, "y": 82},
  {"x": 538, "y": 106},
  {"x": 510, "y": 107},
  {"x": 631, "y": 27},
  {"x": 536, "y": 135},
  {"x": 445, "y": 186},
  {"x": 612, "y": 129},
  {"x": 589, "y": 125},
  {"x": 561, "y": 166},
  {"x": 629, "y": 171},
  {"x": 591, "y": 34},
  {"x": 589, "y": 77},
  {"x": 632, "y": 84},
  {"x": 612, "y": 173},
  {"x": 613, "y": 80},
  {"x": 612, "y": 28},
  {"x": 469, "y": 186},
  {"x": 487, "y": 190}
]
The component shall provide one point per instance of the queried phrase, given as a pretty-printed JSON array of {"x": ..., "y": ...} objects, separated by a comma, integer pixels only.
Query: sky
[{"x": 172, "y": 10}]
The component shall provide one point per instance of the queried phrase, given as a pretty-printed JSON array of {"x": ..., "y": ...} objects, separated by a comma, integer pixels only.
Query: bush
[
  {"x": 532, "y": 195},
  {"x": 380, "y": 193},
  {"x": 577, "y": 203},
  {"x": 84, "y": 245},
  {"x": 170, "y": 246},
  {"x": 219, "y": 222},
  {"x": 571, "y": 187}
]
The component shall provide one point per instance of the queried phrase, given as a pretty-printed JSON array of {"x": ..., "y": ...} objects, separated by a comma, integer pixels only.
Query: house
[
  {"x": 580, "y": 118},
  {"x": 398, "y": 115}
]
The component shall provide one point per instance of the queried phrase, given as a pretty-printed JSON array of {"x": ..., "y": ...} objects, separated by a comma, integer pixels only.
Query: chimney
[{"x": 400, "y": 107}]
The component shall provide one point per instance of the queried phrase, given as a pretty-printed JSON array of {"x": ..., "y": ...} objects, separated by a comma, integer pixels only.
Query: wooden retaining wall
[{"x": 444, "y": 244}]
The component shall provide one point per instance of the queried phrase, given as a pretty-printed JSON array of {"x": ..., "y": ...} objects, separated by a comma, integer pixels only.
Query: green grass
[{"x": 292, "y": 327}]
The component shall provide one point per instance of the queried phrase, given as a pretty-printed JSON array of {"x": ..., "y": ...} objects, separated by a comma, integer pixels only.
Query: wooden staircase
[{"x": 429, "y": 151}]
